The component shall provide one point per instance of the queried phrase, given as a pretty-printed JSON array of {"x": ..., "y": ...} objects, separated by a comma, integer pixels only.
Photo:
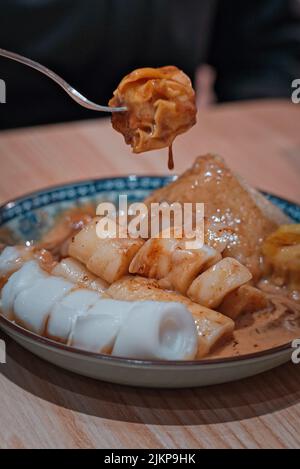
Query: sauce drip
[{"x": 170, "y": 158}]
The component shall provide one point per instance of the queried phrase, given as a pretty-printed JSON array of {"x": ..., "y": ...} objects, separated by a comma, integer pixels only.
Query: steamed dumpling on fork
[{"x": 160, "y": 105}]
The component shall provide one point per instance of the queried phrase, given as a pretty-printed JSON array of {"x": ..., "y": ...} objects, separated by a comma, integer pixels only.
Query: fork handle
[{"x": 74, "y": 94}]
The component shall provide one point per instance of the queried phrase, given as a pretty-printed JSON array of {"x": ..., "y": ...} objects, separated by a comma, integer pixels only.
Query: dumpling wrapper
[{"x": 160, "y": 105}]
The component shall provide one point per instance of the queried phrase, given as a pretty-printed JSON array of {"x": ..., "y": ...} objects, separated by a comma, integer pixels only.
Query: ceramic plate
[{"x": 30, "y": 216}]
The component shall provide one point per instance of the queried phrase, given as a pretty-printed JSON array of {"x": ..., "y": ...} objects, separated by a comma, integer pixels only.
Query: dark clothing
[{"x": 254, "y": 46}]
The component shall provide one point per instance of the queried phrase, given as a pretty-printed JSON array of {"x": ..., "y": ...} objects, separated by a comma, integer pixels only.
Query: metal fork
[{"x": 61, "y": 82}]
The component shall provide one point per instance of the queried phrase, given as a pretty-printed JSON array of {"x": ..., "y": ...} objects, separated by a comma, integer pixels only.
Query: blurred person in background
[{"x": 253, "y": 46}]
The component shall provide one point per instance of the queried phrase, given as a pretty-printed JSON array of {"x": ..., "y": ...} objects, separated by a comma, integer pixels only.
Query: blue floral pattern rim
[
  {"x": 30, "y": 216},
  {"x": 78, "y": 190}
]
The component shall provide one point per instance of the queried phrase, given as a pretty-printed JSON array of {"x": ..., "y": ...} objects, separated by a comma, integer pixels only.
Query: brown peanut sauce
[{"x": 277, "y": 325}]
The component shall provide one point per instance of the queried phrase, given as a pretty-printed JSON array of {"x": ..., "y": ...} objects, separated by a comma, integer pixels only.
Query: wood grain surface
[{"x": 43, "y": 406}]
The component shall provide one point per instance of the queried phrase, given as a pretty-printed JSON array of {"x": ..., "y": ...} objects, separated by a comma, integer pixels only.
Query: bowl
[{"x": 30, "y": 216}]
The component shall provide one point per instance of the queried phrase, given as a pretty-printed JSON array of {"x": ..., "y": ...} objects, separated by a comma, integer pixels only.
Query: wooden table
[{"x": 44, "y": 407}]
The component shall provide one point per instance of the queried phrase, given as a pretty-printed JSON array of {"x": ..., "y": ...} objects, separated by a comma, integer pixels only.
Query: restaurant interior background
[{"x": 232, "y": 50}]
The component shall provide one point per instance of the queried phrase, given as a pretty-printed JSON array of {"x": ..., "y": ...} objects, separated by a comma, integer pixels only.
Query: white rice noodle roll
[
  {"x": 157, "y": 331},
  {"x": 66, "y": 310},
  {"x": 97, "y": 331},
  {"x": 169, "y": 262},
  {"x": 246, "y": 299},
  {"x": 12, "y": 258},
  {"x": 211, "y": 325},
  {"x": 24, "y": 278},
  {"x": 33, "y": 305},
  {"x": 85, "y": 243},
  {"x": 212, "y": 328},
  {"x": 76, "y": 272},
  {"x": 109, "y": 258},
  {"x": 210, "y": 287}
]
